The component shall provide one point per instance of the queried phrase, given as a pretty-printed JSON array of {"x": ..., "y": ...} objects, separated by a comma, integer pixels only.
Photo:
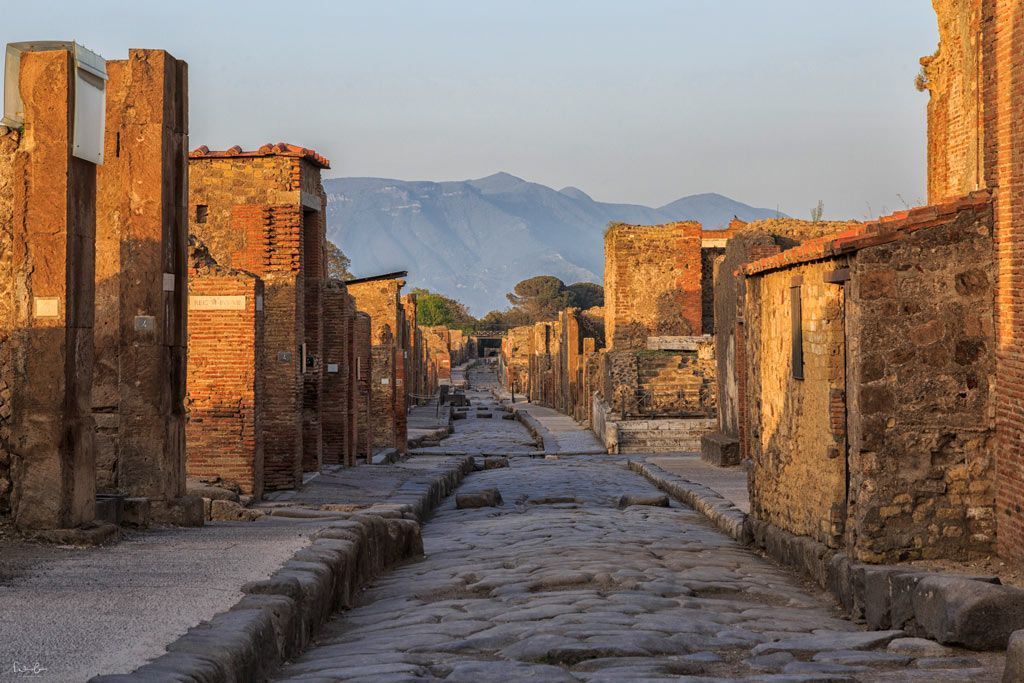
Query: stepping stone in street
[
  {"x": 487, "y": 498},
  {"x": 495, "y": 462},
  {"x": 653, "y": 499}
]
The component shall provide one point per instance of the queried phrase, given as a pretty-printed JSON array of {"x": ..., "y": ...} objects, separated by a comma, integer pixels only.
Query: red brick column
[
  {"x": 1003, "y": 65},
  {"x": 688, "y": 279},
  {"x": 224, "y": 436},
  {"x": 336, "y": 387}
]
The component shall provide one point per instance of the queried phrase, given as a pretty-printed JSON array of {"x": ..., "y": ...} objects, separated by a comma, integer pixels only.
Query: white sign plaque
[
  {"x": 332, "y": 367},
  {"x": 46, "y": 307},
  {"x": 217, "y": 303}
]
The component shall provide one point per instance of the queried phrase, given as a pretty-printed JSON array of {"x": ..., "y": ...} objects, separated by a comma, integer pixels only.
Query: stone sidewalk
[
  {"x": 80, "y": 612},
  {"x": 729, "y": 482}
]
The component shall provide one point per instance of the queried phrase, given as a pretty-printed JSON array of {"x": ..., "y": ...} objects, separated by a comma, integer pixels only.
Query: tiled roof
[
  {"x": 886, "y": 229},
  {"x": 282, "y": 149}
]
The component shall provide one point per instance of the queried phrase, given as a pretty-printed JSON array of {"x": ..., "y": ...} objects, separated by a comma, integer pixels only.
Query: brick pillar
[
  {"x": 1003, "y": 66},
  {"x": 335, "y": 418},
  {"x": 52, "y": 268},
  {"x": 690, "y": 274},
  {"x": 225, "y": 379},
  {"x": 353, "y": 400},
  {"x": 282, "y": 412},
  {"x": 364, "y": 371},
  {"x": 139, "y": 384},
  {"x": 313, "y": 256}
]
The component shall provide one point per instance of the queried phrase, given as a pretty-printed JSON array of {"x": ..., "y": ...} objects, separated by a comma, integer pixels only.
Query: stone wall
[
  {"x": 884, "y": 443},
  {"x": 921, "y": 361},
  {"x": 363, "y": 349},
  {"x": 798, "y": 470},
  {"x": 52, "y": 273},
  {"x": 647, "y": 294},
  {"x": 9, "y": 140},
  {"x": 141, "y": 233},
  {"x": 224, "y": 435}
]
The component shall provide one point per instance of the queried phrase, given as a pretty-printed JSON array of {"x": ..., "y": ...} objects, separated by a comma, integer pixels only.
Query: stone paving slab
[
  {"x": 80, "y": 612},
  {"x": 559, "y": 584}
]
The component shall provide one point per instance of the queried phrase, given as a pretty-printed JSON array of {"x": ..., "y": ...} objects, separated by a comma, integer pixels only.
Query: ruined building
[
  {"x": 379, "y": 296},
  {"x": 655, "y": 382},
  {"x": 262, "y": 212},
  {"x": 880, "y": 411}
]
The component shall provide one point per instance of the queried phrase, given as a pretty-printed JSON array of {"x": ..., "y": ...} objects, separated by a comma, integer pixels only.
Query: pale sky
[{"x": 777, "y": 104}]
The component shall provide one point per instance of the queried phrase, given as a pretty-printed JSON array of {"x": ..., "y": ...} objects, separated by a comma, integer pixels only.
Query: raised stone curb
[
  {"x": 278, "y": 617},
  {"x": 536, "y": 429},
  {"x": 722, "y": 513},
  {"x": 972, "y": 612}
]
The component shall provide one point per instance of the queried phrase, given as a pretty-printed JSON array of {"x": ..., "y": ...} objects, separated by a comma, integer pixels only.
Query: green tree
[
  {"x": 337, "y": 263},
  {"x": 584, "y": 295},
  {"x": 437, "y": 309},
  {"x": 539, "y": 298}
]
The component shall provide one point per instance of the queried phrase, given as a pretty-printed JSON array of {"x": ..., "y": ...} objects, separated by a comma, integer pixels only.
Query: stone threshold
[
  {"x": 976, "y": 613},
  {"x": 280, "y": 616}
]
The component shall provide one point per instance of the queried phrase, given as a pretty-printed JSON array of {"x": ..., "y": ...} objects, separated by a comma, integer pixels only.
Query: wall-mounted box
[{"x": 90, "y": 94}]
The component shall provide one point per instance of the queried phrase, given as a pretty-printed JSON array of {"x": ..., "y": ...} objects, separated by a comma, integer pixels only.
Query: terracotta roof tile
[
  {"x": 280, "y": 149},
  {"x": 886, "y": 229}
]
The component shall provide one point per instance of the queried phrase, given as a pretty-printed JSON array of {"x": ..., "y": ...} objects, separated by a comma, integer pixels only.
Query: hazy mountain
[{"x": 475, "y": 239}]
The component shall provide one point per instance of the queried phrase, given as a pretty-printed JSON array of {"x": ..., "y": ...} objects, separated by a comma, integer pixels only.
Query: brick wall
[
  {"x": 380, "y": 300},
  {"x": 224, "y": 435},
  {"x": 338, "y": 413},
  {"x": 647, "y": 294},
  {"x": 263, "y": 212},
  {"x": 1003, "y": 65},
  {"x": 953, "y": 78},
  {"x": 363, "y": 348},
  {"x": 798, "y": 475}
]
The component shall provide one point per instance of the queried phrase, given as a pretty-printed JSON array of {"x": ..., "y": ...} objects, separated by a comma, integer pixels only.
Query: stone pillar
[
  {"x": 52, "y": 268},
  {"x": 364, "y": 368},
  {"x": 139, "y": 389}
]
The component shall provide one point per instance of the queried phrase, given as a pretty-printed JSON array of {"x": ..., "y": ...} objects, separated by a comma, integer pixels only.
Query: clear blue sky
[{"x": 774, "y": 103}]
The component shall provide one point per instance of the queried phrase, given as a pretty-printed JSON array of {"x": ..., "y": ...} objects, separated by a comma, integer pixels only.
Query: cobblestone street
[{"x": 560, "y": 583}]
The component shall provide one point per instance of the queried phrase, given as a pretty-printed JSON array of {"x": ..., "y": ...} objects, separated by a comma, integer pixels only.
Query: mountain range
[{"x": 473, "y": 240}]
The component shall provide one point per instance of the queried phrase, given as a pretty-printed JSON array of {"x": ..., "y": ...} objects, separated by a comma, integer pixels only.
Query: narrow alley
[{"x": 566, "y": 580}]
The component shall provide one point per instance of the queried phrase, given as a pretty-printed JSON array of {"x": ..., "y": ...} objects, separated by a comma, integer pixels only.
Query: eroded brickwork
[
  {"x": 226, "y": 378},
  {"x": 652, "y": 282},
  {"x": 380, "y": 299},
  {"x": 262, "y": 212},
  {"x": 9, "y": 140},
  {"x": 340, "y": 400},
  {"x": 953, "y": 77}
]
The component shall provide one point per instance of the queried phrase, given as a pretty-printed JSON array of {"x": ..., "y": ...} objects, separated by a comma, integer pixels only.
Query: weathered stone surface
[
  {"x": 917, "y": 647},
  {"x": 229, "y": 511},
  {"x": 479, "y": 499},
  {"x": 975, "y": 614},
  {"x": 495, "y": 462},
  {"x": 840, "y": 640},
  {"x": 655, "y": 500},
  {"x": 1014, "y": 671},
  {"x": 720, "y": 449},
  {"x": 183, "y": 511}
]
